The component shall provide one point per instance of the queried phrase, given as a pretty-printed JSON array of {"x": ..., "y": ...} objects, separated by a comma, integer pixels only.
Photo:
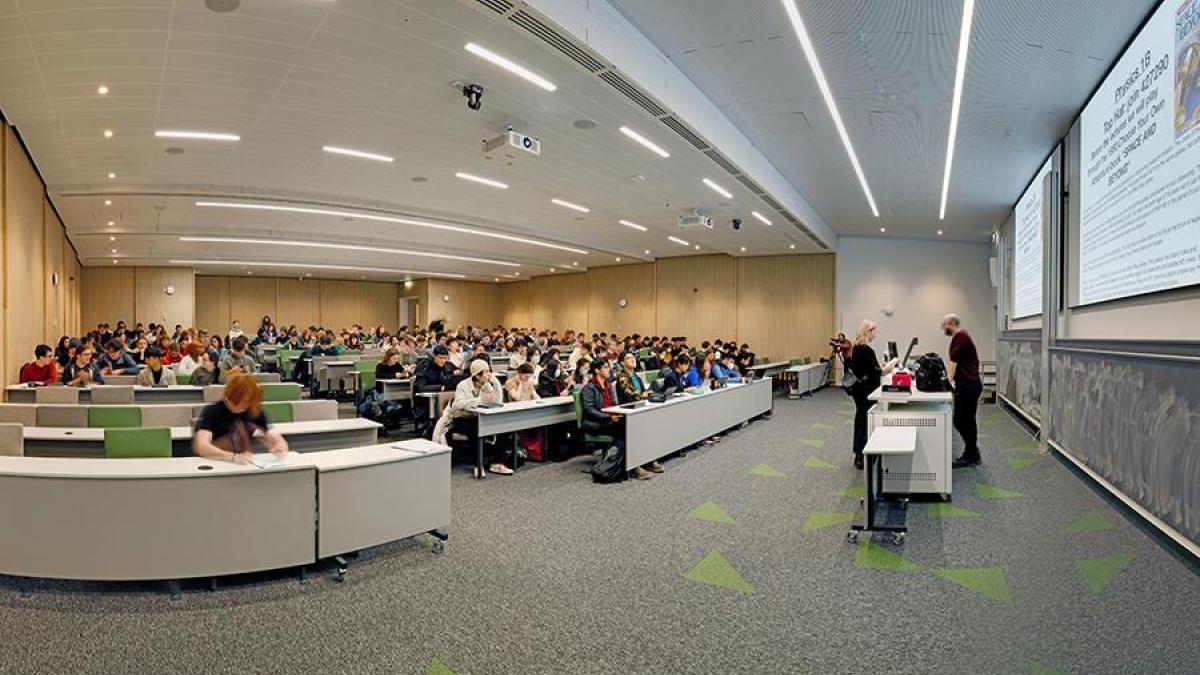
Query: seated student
[
  {"x": 64, "y": 353},
  {"x": 354, "y": 343},
  {"x": 579, "y": 378},
  {"x": 675, "y": 376},
  {"x": 458, "y": 358},
  {"x": 116, "y": 362},
  {"x": 137, "y": 350},
  {"x": 480, "y": 387},
  {"x": 154, "y": 372},
  {"x": 190, "y": 360},
  {"x": 431, "y": 375},
  {"x": 726, "y": 369},
  {"x": 745, "y": 357},
  {"x": 519, "y": 356},
  {"x": 237, "y": 361},
  {"x": 550, "y": 380},
  {"x": 216, "y": 345},
  {"x": 82, "y": 372},
  {"x": 43, "y": 369},
  {"x": 225, "y": 428},
  {"x": 630, "y": 386},
  {"x": 595, "y": 397},
  {"x": 206, "y": 372},
  {"x": 521, "y": 385},
  {"x": 389, "y": 367}
]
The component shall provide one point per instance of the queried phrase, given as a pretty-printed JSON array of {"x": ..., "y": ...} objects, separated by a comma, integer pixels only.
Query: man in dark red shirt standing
[{"x": 964, "y": 380}]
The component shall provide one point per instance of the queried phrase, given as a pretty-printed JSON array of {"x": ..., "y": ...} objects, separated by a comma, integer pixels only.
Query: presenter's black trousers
[
  {"x": 862, "y": 405},
  {"x": 966, "y": 401}
]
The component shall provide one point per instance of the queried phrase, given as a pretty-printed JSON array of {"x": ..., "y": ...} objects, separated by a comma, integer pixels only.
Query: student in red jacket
[{"x": 42, "y": 369}]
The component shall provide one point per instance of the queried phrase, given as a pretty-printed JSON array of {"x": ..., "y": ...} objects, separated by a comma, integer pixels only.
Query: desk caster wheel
[
  {"x": 340, "y": 575},
  {"x": 852, "y": 537},
  {"x": 439, "y": 547},
  {"x": 898, "y": 539}
]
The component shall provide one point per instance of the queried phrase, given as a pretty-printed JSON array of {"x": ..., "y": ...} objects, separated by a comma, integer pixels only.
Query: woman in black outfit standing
[{"x": 865, "y": 366}]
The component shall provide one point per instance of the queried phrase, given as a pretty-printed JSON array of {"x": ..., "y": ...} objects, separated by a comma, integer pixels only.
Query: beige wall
[
  {"x": 326, "y": 302},
  {"x": 133, "y": 294},
  {"x": 782, "y": 305},
  {"x": 34, "y": 252}
]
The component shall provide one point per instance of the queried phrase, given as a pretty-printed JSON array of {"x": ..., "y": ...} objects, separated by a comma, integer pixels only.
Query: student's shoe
[
  {"x": 964, "y": 461},
  {"x": 716, "y": 439},
  {"x": 478, "y": 472},
  {"x": 858, "y": 462},
  {"x": 655, "y": 467},
  {"x": 500, "y": 470},
  {"x": 641, "y": 474}
]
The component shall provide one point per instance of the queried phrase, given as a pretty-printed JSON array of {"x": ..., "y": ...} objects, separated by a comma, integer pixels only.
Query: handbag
[
  {"x": 849, "y": 380},
  {"x": 610, "y": 468}
]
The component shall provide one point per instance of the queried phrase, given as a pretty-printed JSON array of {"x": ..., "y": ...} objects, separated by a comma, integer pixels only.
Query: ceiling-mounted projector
[
  {"x": 695, "y": 221},
  {"x": 510, "y": 142}
]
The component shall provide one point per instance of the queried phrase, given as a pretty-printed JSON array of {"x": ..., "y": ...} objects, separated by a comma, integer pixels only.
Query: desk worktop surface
[
  {"x": 647, "y": 406},
  {"x": 182, "y": 433}
]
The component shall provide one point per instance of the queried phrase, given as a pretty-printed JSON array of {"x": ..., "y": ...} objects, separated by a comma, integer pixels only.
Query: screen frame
[
  {"x": 1071, "y": 299},
  {"x": 1055, "y": 150}
]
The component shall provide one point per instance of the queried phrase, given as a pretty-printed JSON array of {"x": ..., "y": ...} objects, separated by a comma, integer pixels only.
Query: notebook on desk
[{"x": 268, "y": 460}]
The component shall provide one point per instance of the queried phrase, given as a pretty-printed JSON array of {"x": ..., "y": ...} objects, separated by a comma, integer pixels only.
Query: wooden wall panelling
[
  {"x": 298, "y": 303},
  {"x": 559, "y": 302},
  {"x": 212, "y": 304},
  {"x": 106, "y": 295},
  {"x": 514, "y": 304},
  {"x": 25, "y": 264},
  {"x": 483, "y": 303},
  {"x": 8, "y": 376},
  {"x": 378, "y": 304},
  {"x": 152, "y": 304},
  {"x": 696, "y": 297},
  {"x": 785, "y": 305},
  {"x": 54, "y": 276},
  {"x": 607, "y": 286},
  {"x": 339, "y": 303},
  {"x": 72, "y": 281},
  {"x": 448, "y": 302},
  {"x": 250, "y": 298},
  {"x": 419, "y": 289}
]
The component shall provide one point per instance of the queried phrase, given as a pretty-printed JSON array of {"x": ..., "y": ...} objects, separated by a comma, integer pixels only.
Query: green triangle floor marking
[
  {"x": 875, "y": 557},
  {"x": 711, "y": 512},
  {"x": 715, "y": 570},
  {"x": 769, "y": 471},
  {"x": 821, "y": 425},
  {"x": 852, "y": 491},
  {"x": 1092, "y": 521},
  {"x": 814, "y": 463},
  {"x": 1040, "y": 669},
  {"x": 986, "y": 581},
  {"x": 436, "y": 667},
  {"x": 813, "y": 442},
  {"x": 1027, "y": 446},
  {"x": 823, "y": 519},
  {"x": 1022, "y": 462},
  {"x": 989, "y": 492},
  {"x": 937, "y": 510},
  {"x": 1100, "y": 572}
]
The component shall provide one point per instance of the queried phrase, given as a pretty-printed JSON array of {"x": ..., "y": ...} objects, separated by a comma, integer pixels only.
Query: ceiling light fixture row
[{"x": 960, "y": 71}]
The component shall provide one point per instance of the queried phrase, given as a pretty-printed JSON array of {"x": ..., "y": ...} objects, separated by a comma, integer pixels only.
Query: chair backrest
[
  {"x": 120, "y": 379},
  {"x": 18, "y": 413},
  {"x": 12, "y": 439},
  {"x": 214, "y": 393},
  {"x": 578, "y": 398},
  {"x": 310, "y": 411},
  {"x": 183, "y": 379},
  {"x": 108, "y": 417},
  {"x": 123, "y": 443},
  {"x": 62, "y": 395},
  {"x": 281, "y": 391},
  {"x": 279, "y": 411},
  {"x": 366, "y": 373},
  {"x": 795, "y": 362},
  {"x": 72, "y": 416},
  {"x": 113, "y": 394},
  {"x": 651, "y": 376},
  {"x": 264, "y": 378},
  {"x": 176, "y": 415}
]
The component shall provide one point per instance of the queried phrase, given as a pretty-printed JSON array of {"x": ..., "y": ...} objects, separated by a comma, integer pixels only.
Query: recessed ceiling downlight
[{"x": 223, "y": 5}]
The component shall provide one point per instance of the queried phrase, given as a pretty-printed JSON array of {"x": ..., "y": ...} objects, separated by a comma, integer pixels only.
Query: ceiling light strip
[
  {"x": 344, "y": 247},
  {"x": 960, "y": 72},
  {"x": 761, "y": 218},
  {"x": 196, "y": 135},
  {"x": 569, "y": 205},
  {"x": 716, "y": 187},
  {"x": 299, "y": 265},
  {"x": 806, "y": 44},
  {"x": 387, "y": 219},
  {"x": 631, "y": 224},
  {"x": 645, "y": 142},
  {"x": 679, "y": 241},
  {"x": 481, "y": 180},
  {"x": 510, "y": 66},
  {"x": 357, "y": 153}
]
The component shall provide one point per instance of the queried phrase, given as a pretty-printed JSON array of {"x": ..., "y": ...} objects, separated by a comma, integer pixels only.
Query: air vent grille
[
  {"x": 497, "y": 6},
  {"x": 745, "y": 180},
  {"x": 687, "y": 134},
  {"x": 921, "y": 476},
  {"x": 633, "y": 93},
  {"x": 770, "y": 201},
  {"x": 910, "y": 421},
  {"x": 556, "y": 40},
  {"x": 722, "y": 162}
]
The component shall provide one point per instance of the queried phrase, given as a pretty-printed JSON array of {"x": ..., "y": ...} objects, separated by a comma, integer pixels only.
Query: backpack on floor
[
  {"x": 610, "y": 468},
  {"x": 931, "y": 373}
]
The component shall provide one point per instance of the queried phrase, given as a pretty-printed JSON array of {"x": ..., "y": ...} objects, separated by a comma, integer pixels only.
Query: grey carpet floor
[{"x": 547, "y": 573}]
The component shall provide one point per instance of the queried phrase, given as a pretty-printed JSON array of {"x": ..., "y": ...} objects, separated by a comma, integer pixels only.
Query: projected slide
[
  {"x": 1027, "y": 248},
  {"x": 1139, "y": 205}
]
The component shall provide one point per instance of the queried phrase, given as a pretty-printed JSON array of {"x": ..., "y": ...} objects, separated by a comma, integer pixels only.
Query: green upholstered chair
[
  {"x": 282, "y": 391},
  {"x": 183, "y": 379},
  {"x": 107, "y": 417},
  {"x": 280, "y": 411},
  {"x": 366, "y": 374},
  {"x": 651, "y": 376},
  {"x": 601, "y": 441},
  {"x": 137, "y": 443}
]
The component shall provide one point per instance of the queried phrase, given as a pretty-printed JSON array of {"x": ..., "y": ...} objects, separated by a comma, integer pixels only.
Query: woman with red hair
[{"x": 226, "y": 427}]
